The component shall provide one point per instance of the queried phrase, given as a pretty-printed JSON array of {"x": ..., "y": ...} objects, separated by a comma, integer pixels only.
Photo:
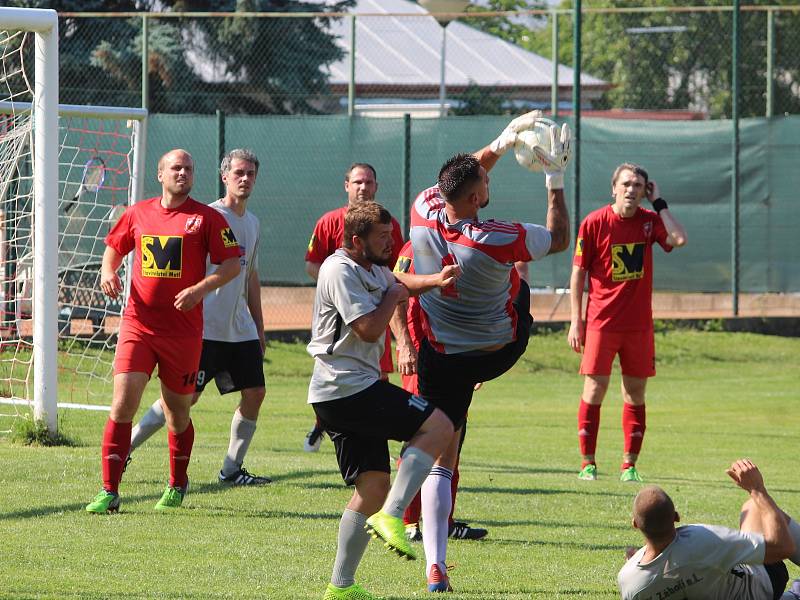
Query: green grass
[{"x": 717, "y": 397}]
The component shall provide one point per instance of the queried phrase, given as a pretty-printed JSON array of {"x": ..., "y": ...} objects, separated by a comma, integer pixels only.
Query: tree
[
  {"x": 671, "y": 59},
  {"x": 237, "y": 64}
]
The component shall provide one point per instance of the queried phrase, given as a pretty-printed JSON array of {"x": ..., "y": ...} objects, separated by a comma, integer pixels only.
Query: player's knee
[{"x": 439, "y": 423}]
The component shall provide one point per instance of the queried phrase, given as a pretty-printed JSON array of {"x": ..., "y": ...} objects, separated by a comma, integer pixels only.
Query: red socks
[
  {"x": 180, "y": 450},
  {"x": 633, "y": 426},
  {"x": 113, "y": 453},
  {"x": 588, "y": 426}
]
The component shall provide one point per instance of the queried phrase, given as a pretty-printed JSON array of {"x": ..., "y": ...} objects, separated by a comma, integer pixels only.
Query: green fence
[{"x": 304, "y": 159}]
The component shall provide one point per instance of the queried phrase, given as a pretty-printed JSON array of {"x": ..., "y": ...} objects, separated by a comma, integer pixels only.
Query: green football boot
[
  {"x": 631, "y": 474},
  {"x": 393, "y": 533},
  {"x": 104, "y": 502},
  {"x": 172, "y": 498},
  {"x": 588, "y": 473}
]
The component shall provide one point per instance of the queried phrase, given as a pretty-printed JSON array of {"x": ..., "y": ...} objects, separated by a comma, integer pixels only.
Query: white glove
[
  {"x": 555, "y": 161},
  {"x": 508, "y": 137}
]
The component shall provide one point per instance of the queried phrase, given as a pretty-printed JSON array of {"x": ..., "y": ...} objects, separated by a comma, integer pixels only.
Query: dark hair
[
  {"x": 241, "y": 154},
  {"x": 458, "y": 175},
  {"x": 633, "y": 167},
  {"x": 358, "y": 165},
  {"x": 360, "y": 219}
]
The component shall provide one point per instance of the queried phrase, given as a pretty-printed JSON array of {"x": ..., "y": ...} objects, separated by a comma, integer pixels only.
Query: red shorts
[
  {"x": 177, "y": 357},
  {"x": 386, "y": 359},
  {"x": 410, "y": 383},
  {"x": 636, "y": 349}
]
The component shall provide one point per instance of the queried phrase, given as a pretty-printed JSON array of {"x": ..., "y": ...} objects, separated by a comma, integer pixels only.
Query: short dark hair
[
  {"x": 360, "y": 219},
  {"x": 633, "y": 167},
  {"x": 457, "y": 175},
  {"x": 359, "y": 165},
  {"x": 241, "y": 154},
  {"x": 654, "y": 512}
]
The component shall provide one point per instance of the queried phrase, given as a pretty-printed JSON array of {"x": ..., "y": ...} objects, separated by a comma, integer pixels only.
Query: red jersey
[
  {"x": 405, "y": 264},
  {"x": 328, "y": 237},
  {"x": 618, "y": 256},
  {"x": 171, "y": 248}
]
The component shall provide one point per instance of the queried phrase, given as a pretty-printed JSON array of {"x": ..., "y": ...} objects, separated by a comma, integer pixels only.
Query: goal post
[
  {"x": 66, "y": 174},
  {"x": 44, "y": 24}
]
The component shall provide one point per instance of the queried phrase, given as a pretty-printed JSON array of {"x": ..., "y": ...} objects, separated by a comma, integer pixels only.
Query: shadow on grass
[
  {"x": 545, "y": 491},
  {"x": 623, "y": 526}
]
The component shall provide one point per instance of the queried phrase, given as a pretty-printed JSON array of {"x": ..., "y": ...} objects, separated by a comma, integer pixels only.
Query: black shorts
[
  {"x": 448, "y": 380},
  {"x": 360, "y": 425},
  {"x": 233, "y": 366},
  {"x": 779, "y": 577}
]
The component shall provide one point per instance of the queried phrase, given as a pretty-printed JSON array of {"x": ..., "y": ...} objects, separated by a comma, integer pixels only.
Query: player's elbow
[
  {"x": 559, "y": 241},
  {"x": 312, "y": 270},
  {"x": 679, "y": 239}
]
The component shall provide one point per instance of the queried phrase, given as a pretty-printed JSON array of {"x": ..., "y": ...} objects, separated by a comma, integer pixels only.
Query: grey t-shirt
[
  {"x": 704, "y": 562},
  {"x": 344, "y": 363},
  {"x": 226, "y": 316}
]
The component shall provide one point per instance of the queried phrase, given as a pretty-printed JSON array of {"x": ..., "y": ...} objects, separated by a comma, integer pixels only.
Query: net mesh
[{"x": 95, "y": 185}]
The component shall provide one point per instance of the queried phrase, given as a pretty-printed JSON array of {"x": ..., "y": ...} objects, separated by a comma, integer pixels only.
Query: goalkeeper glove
[
  {"x": 555, "y": 161},
  {"x": 508, "y": 137}
]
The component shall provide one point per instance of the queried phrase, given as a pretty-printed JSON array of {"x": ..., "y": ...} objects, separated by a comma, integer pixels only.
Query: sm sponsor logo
[
  {"x": 162, "y": 256},
  {"x": 403, "y": 264},
  {"x": 228, "y": 239},
  {"x": 627, "y": 261}
]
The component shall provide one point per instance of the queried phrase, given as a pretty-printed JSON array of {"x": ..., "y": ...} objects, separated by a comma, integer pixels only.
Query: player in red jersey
[
  {"x": 361, "y": 185},
  {"x": 614, "y": 248},
  {"x": 171, "y": 236}
]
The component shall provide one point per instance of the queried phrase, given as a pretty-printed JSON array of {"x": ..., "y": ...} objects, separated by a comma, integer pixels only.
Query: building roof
[{"x": 395, "y": 53}]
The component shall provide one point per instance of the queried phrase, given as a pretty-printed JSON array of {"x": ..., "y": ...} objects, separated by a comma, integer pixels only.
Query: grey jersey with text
[
  {"x": 344, "y": 363},
  {"x": 226, "y": 316},
  {"x": 704, "y": 562},
  {"x": 476, "y": 311}
]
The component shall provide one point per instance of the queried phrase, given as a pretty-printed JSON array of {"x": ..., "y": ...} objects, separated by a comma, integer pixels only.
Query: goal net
[{"x": 99, "y": 156}]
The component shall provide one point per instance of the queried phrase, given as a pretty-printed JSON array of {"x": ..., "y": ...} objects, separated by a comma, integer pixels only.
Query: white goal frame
[{"x": 44, "y": 24}]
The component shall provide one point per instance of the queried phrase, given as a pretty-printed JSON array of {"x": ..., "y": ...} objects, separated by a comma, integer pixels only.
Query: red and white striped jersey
[{"x": 476, "y": 311}]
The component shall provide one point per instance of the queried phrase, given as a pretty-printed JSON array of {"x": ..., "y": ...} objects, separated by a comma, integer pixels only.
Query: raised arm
[
  {"x": 770, "y": 521},
  {"x": 676, "y": 233},
  {"x": 419, "y": 284},
  {"x": 489, "y": 155}
]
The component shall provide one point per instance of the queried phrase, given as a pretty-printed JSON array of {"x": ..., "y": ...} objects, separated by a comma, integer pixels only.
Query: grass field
[{"x": 718, "y": 397}]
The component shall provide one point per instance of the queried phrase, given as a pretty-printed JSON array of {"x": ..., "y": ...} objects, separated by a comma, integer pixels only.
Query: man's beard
[{"x": 376, "y": 259}]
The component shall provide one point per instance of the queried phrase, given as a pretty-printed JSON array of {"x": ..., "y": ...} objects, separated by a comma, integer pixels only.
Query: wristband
[{"x": 659, "y": 204}]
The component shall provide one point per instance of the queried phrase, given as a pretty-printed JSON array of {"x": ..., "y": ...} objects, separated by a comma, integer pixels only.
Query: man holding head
[
  {"x": 614, "y": 248},
  {"x": 171, "y": 236},
  {"x": 707, "y": 562},
  {"x": 361, "y": 185}
]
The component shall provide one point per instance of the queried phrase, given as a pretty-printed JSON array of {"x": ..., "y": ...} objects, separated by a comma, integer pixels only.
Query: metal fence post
[
  {"x": 576, "y": 113},
  {"x": 145, "y": 63},
  {"x": 735, "y": 158},
  {"x": 351, "y": 84},
  {"x": 770, "y": 62},
  {"x": 220, "y": 150},
  {"x": 554, "y": 83},
  {"x": 406, "y": 183}
]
